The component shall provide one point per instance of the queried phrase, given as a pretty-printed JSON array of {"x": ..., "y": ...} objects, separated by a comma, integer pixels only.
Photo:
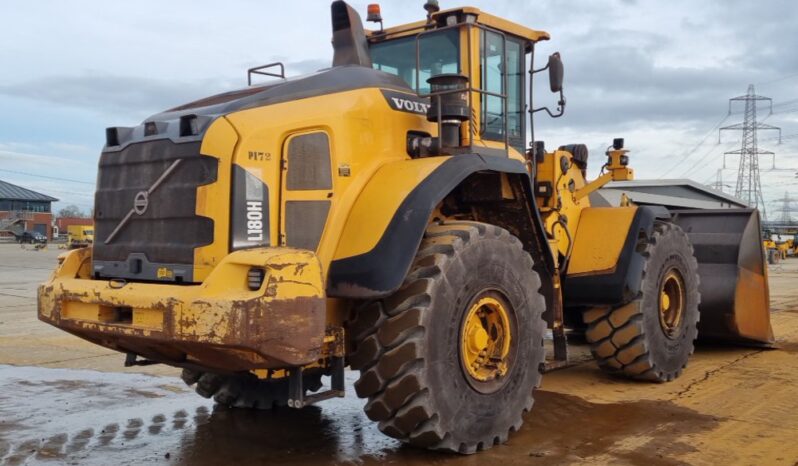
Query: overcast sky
[{"x": 657, "y": 73}]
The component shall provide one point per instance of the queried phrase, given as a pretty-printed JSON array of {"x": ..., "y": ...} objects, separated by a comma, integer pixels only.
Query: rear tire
[
  {"x": 409, "y": 347},
  {"x": 646, "y": 339},
  {"x": 245, "y": 390}
]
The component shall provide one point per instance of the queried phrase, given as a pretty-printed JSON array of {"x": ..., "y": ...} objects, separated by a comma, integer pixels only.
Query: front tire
[
  {"x": 652, "y": 337},
  {"x": 450, "y": 360}
]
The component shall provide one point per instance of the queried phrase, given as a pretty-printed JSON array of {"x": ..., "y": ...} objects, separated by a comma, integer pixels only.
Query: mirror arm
[
  {"x": 560, "y": 108},
  {"x": 539, "y": 70}
]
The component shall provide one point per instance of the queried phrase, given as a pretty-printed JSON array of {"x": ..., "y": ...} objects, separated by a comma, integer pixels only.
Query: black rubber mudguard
[{"x": 380, "y": 271}]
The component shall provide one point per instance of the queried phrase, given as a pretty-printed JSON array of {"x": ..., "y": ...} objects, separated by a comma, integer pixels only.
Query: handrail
[{"x": 259, "y": 70}]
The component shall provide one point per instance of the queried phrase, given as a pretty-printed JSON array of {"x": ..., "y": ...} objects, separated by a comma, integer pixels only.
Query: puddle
[{"x": 86, "y": 417}]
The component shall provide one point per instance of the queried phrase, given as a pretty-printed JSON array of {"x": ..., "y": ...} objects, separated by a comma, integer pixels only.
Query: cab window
[{"x": 439, "y": 53}]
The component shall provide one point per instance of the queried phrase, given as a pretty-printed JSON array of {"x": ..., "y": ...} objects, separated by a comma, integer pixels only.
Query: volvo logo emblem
[{"x": 140, "y": 202}]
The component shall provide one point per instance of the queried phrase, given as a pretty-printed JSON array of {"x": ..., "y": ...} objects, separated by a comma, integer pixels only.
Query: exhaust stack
[{"x": 350, "y": 46}]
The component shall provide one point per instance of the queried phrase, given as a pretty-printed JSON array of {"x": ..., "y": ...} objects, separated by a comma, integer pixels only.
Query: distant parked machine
[
  {"x": 31, "y": 237},
  {"x": 785, "y": 248},
  {"x": 79, "y": 236},
  {"x": 778, "y": 249}
]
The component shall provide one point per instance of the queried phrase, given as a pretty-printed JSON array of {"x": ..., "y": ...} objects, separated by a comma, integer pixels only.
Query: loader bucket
[{"x": 735, "y": 299}]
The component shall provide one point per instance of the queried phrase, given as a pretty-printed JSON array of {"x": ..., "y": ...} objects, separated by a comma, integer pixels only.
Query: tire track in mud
[
  {"x": 66, "y": 415},
  {"x": 86, "y": 417},
  {"x": 77, "y": 445}
]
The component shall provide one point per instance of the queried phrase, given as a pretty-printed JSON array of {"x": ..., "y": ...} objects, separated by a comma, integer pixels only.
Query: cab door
[
  {"x": 502, "y": 65},
  {"x": 306, "y": 189}
]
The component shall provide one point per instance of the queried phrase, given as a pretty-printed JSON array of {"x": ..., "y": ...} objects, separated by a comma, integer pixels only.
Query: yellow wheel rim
[
  {"x": 671, "y": 303},
  {"x": 485, "y": 339}
]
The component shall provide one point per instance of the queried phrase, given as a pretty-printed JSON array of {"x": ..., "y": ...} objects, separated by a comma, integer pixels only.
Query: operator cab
[{"x": 488, "y": 59}]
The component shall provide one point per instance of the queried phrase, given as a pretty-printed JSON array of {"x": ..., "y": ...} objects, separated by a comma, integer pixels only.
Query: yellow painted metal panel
[
  {"x": 483, "y": 18},
  {"x": 148, "y": 318},
  {"x": 87, "y": 311},
  {"x": 283, "y": 321},
  {"x": 365, "y": 134},
  {"x": 565, "y": 206},
  {"x": 599, "y": 239},
  {"x": 213, "y": 200},
  {"x": 379, "y": 200}
]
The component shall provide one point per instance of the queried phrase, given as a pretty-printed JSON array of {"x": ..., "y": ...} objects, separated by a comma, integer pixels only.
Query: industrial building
[{"x": 22, "y": 209}]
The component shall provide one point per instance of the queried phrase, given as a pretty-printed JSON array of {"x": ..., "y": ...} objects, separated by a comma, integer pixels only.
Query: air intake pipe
[
  {"x": 350, "y": 46},
  {"x": 449, "y": 99}
]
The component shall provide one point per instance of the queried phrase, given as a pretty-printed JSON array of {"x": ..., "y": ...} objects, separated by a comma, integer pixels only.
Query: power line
[
  {"x": 694, "y": 149},
  {"x": 701, "y": 159},
  {"x": 785, "y": 103},
  {"x": 46, "y": 177},
  {"x": 91, "y": 195},
  {"x": 783, "y": 78},
  {"x": 775, "y": 138}
]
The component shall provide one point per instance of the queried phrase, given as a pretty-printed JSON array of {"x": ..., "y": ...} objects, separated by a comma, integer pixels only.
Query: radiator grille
[{"x": 168, "y": 230}]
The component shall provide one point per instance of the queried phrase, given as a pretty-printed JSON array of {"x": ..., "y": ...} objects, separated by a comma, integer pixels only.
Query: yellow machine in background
[
  {"x": 786, "y": 247},
  {"x": 778, "y": 250},
  {"x": 79, "y": 236},
  {"x": 392, "y": 214}
]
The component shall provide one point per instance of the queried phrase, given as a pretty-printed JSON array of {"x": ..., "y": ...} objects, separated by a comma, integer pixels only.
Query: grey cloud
[
  {"x": 623, "y": 86},
  {"x": 621, "y": 58},
  {"x": 619, "y": 82},
  {"x": 134, "y": 96},
  {"x": 112, "y": 94}
]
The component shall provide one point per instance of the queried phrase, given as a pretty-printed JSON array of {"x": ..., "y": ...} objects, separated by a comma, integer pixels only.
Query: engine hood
[{"x": 171, "y": 124}]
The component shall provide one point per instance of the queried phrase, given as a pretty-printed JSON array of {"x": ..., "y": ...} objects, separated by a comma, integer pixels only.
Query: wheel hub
[
  {"x": 485, "y": 339},
  {"x": 671, "y": 303}
]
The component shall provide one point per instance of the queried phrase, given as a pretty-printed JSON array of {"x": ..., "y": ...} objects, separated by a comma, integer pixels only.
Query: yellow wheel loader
[
  {"x": 784, "y": 248},
  {"x": 392, "y": 214}
]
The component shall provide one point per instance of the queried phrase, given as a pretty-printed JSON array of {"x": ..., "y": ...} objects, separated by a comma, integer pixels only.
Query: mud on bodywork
[{"x": 220, "y": 324}]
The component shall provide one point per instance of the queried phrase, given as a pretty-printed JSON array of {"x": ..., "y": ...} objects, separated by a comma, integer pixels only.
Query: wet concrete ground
[
  {"x": 89, "y": 417},
  {"x": 731, "y": 406}
]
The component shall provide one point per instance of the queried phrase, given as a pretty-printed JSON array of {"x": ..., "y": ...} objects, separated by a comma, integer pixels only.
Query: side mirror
[
  {"x": 555, "y": 83},
  {"x": 555, "y": 72}
]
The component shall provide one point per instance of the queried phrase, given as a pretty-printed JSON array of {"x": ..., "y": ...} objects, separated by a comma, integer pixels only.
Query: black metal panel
[
  {"x": 304, "y": 223},
  {"x": 309, "y": 162},
  {"x": 249, "y": 225},
  {"x": 168, "y": 230}
]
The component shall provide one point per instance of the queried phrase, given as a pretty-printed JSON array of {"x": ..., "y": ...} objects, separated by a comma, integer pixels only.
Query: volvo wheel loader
[{"x": 392, "y": 214}]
